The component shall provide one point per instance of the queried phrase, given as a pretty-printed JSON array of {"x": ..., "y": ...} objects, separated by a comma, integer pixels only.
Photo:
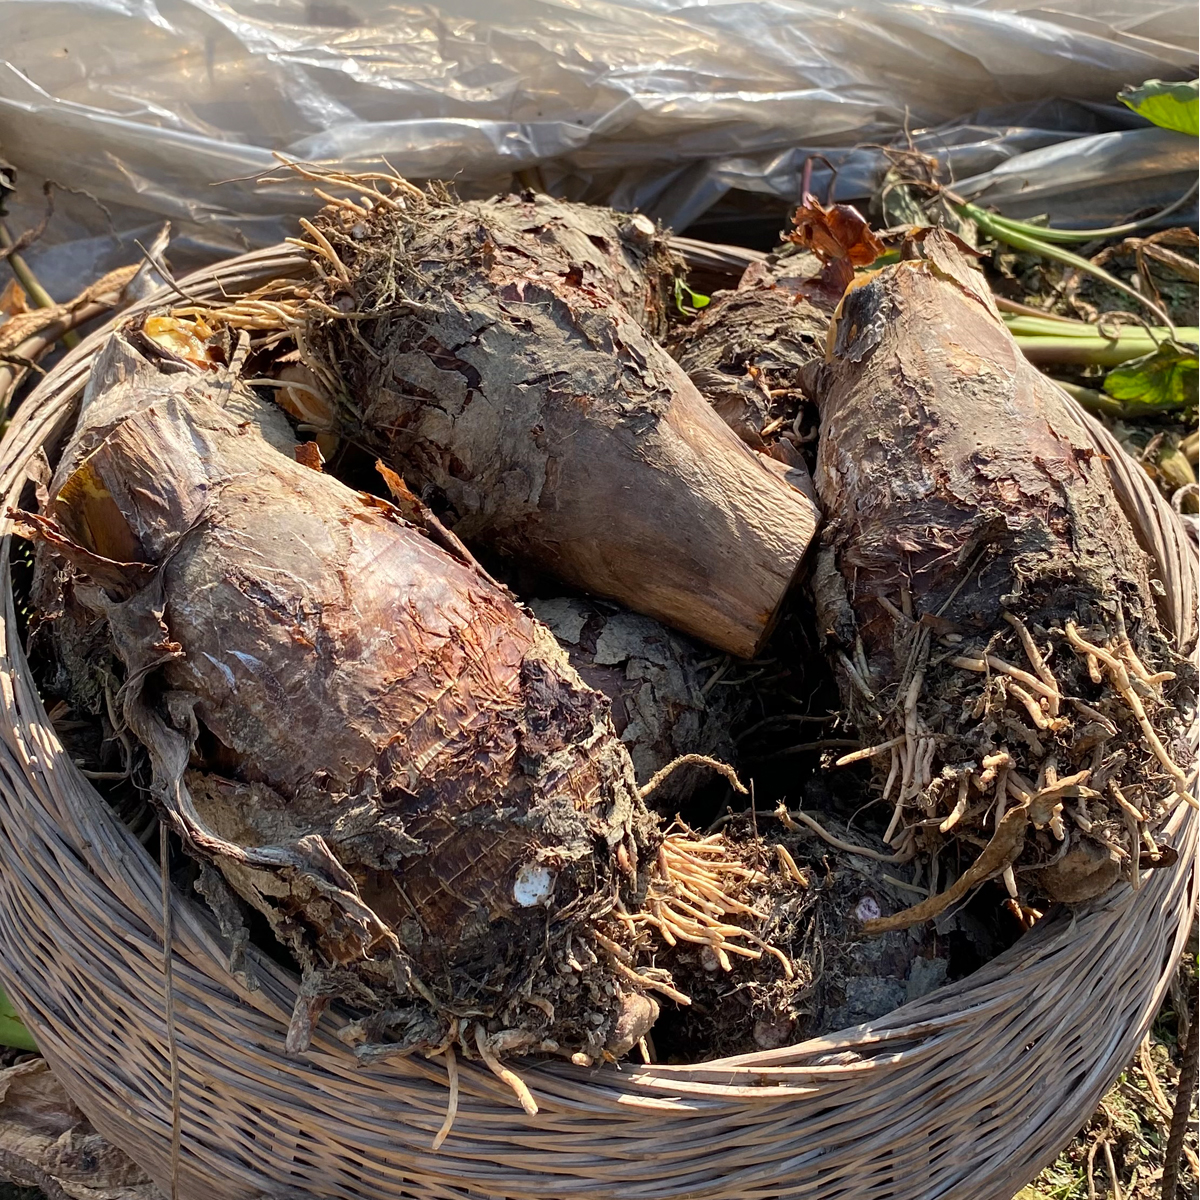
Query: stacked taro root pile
[{"x": 256, "y": 576}]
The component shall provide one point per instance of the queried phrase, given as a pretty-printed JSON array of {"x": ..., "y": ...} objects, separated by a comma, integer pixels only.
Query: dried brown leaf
[
  {"x": 837, "y": 233},
  {"x": 13, "y": 300},
  {"x": 40, "y": 1125},
  {"x": 308, "y": 454}
]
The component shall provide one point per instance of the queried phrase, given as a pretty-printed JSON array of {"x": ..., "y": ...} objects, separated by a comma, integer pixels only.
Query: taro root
[
  {"x": 988, "y": 609},
  {"x": 503, "y": 357},
  {"x": 815, "y": 898},
  {"x": 658, "y": 683},
  {"x": 377, "y": 747},
  {"x": 747, "y": 348}
]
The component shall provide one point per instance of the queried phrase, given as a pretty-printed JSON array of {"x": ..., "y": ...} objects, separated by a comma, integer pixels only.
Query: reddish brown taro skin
[
  {"x": 750, "y": 345},
  {"x": 350, "y": 679},
  {"x": 514, "y": 372},
  {"x": 939, "y": 441},
  {"x": 961, "y": 490}
]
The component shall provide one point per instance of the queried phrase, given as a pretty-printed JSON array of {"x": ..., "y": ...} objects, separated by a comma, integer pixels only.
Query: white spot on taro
[
  {"x": 534, "y": 885},
  {"x": 867, "y": 909}
]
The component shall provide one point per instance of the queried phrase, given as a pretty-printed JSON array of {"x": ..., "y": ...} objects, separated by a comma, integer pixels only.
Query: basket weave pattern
[{"x": 965, "y": 1094}]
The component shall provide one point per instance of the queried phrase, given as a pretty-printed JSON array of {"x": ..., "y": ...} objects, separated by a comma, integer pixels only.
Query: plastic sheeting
[
  {"x": 1091, "y": 180},
  {"x": 1060, "y": 158},
  {"x": 169, "y": 108}
]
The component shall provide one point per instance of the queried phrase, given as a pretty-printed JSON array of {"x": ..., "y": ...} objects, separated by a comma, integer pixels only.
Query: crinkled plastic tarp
[
  {"x": 1085, "y": 164},
  {"x": 168, "y": 108}
]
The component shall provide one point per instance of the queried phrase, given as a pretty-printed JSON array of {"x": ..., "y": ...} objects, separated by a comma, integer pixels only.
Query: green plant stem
[
  {"x": 1027, "y": 310},
  {"x": 1045, "y": 234},
  {"x": 1094, "y": 351},
  {"x": 1095, "y": 402},
  {"x": 1031, "y": 326},
  {"x": 1035, "y": 326},
  {"x": 25, "y": 277},
  {"x": 999, "y": 231}
]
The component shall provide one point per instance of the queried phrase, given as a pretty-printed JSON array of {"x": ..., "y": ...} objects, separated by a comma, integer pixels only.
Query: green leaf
[
  {"x": 12, "y": 1032},
  {"x": 695, "y": 300},
  {"x": 1158, "y": 382},
  {"x": 1169, "y": 105}
]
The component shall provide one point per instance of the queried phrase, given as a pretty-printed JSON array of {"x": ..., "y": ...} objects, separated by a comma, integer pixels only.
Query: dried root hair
[{"x": 1042, "y": 720}]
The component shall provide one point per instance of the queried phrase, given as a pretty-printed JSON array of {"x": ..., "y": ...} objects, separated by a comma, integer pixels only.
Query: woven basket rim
[{"x": 740, "y": 1098}]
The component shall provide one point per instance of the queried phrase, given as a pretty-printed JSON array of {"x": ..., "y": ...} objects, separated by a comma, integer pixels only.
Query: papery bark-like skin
[
  {"x": 751, "y": 341},
  {"x": 938, "y": 440},
  {"x": 959, "y": 485},
  {"x": 508, "y": 365},
  {"x": 654, "y": 679},
  {"x": 376, "y": 722},
  {"x": 41, "y": 1127}
]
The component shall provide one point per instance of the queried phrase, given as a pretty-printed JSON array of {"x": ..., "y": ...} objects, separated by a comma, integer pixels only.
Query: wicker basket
[{"x": 966, "y": 1093}]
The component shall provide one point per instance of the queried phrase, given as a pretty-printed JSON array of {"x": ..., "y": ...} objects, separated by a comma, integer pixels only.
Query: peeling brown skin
[
  {"x": 654, "y": 679},
  {"x": 508, "y": 366},
  {"x": 376, "y": 722},
  {"x": 950, "y": 467},
  {"x": 749, "y": 342},
  {"x": 938, "y": 441}
]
